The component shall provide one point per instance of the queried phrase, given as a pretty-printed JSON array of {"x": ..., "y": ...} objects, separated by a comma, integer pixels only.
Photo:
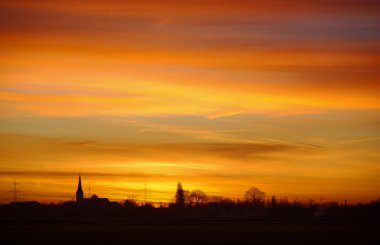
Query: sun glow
[{"x": 220, "y": 95}]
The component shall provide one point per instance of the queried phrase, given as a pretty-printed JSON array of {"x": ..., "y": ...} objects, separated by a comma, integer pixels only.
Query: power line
[{"x": 15, "y": 191}]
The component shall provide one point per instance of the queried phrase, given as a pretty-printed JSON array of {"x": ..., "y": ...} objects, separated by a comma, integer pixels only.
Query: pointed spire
[
  {"x": 79, "y": 193},
  {"x": 80, "y": 183}
]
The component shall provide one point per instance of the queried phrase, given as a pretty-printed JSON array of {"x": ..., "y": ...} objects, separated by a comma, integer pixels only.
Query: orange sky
[{"x": 221, "y": 95}]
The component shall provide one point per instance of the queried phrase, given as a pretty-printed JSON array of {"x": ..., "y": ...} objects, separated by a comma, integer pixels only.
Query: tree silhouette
[
  {"x": 130, "y": 203},
  {"x": 273, "y": 201},
  {"x": 254, "y": 196},
  {"x": 179, "y": 196},
  {"x": 198, "y": 197}
]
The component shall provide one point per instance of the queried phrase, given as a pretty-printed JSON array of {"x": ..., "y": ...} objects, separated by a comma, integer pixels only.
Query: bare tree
[
  {"x": 198, "y": 197},
  {"x": 130, "y": 203},
  {"x": 254, "y": 195}
]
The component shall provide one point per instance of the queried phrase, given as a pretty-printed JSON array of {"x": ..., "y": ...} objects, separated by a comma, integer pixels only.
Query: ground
[{"x": 190, "y": 233}]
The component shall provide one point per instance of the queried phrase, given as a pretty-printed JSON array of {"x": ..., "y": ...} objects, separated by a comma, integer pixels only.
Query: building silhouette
[
  {"x": 79, "y": 193},
  {"x": 94, "y": 200}
]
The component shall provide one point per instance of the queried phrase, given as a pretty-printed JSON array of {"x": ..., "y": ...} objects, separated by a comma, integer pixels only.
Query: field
[{"x": 190, "y": 233}]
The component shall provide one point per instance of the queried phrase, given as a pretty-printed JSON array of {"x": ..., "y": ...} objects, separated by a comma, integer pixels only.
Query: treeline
[{"x": 196, "y": 205}]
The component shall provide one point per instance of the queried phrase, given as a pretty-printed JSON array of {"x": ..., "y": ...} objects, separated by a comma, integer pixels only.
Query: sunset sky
[{"x": 222, "y": 95}]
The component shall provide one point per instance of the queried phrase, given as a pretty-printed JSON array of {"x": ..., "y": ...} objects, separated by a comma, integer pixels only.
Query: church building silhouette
[{"x": 93, "y": 200}]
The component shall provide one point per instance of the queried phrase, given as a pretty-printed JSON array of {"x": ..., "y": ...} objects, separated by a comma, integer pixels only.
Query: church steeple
[{"x": 79, "y": 194}]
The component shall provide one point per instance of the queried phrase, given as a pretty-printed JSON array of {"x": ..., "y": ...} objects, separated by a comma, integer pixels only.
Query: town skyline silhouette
[{"x": 217, "y": 122}]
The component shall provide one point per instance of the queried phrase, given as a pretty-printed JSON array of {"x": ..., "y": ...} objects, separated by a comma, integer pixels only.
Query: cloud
[
  {"x": 360, "y": 140},
  {"x": 194, "y": 58},
  {"x": 202, "y": 6},
  {"x": 72, "y": 174},
  {"x": 37, "y": 149}
]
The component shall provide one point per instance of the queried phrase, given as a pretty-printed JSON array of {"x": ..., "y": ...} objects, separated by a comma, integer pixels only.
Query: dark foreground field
[{"x": 194, "y": 233}]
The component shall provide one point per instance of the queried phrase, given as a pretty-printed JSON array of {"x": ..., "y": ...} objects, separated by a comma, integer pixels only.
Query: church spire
[{"x": 79, "y": 194}]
